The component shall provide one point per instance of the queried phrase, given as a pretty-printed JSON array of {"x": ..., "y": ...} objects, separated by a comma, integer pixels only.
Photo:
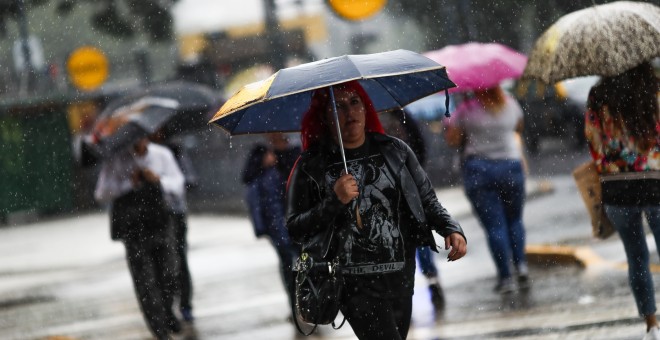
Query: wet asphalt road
[{"x": 64, "y": 279}]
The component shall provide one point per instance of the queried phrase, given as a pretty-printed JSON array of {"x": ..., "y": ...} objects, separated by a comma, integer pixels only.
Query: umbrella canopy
[
  {"x": 474, "y": 66},
  {"x": 603, "y": 40},
  {"x": 391, "y": 79},
  {"x": 173, "y": 107}
]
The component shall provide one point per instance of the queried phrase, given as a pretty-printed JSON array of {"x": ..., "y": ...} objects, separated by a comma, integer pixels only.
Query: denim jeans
[
  {"x": 496, "y": 190},
  {"x": 627, "y": 220},
  {"x": 426, "y": 262}
]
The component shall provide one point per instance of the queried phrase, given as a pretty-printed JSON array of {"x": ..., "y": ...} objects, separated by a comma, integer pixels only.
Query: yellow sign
[
  {"x": 87, "y": 68},
  {"x": 356, "y": 9}
]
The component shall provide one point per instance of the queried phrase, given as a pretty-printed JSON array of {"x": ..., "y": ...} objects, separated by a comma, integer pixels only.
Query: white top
[
  {"x": 115, "y": 176},
  {"x": 489, "y": 134}
]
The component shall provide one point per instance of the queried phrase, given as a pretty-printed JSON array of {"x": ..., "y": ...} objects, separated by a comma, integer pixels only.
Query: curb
[
  {"x": 547, "y": 255},
  {"x": 583, "y": 257}
]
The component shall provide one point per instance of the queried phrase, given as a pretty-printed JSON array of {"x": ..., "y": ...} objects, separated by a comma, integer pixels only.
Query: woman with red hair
[{"x": 378, "y": 213}]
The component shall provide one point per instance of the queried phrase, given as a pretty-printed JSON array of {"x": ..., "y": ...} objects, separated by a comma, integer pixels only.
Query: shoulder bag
[
  {"x": 587, "y": 180},
  {"x": 319, "y": 283}
]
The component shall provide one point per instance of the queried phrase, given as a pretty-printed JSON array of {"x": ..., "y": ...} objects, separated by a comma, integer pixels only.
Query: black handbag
[{"x": 319, "y": 285}]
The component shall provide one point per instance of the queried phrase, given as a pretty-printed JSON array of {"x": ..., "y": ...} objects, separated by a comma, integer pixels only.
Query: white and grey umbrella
[{"x": 603, "y": 40}]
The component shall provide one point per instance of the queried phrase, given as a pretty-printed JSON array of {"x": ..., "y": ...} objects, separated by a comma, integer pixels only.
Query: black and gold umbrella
[
  {"x": 603, "y": 40},
  {"x": 392, "y": 80}
]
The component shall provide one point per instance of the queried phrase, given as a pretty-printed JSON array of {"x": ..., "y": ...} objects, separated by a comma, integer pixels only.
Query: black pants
[
  {"x": 378, "y": 318},
  {"x": 185, "y": 289},
  {"x": 152, "y": 265}
]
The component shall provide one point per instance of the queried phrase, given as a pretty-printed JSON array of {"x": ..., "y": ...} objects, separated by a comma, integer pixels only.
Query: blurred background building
[{"x": 62, "y": 61}]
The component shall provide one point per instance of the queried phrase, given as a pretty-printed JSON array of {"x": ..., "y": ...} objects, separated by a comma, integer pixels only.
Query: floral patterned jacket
[
  {"x": 615, "y": 150},
  {"x": 630, "y": 175}
]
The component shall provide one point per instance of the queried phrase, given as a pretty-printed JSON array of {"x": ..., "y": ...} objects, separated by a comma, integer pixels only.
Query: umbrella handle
[
  {"x": 336, "y": 116},
  {"x": 447, "y": 114}
]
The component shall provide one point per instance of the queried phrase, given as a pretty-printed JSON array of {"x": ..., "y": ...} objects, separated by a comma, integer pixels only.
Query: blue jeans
[
  {"x": 496, "y": 189},
  {"x": 426, "y": 263},
  {"x": 627, "y": 220}
]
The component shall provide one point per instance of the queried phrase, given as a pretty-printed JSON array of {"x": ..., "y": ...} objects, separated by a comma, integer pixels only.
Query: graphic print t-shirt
[{"x": 374, "y": 255}]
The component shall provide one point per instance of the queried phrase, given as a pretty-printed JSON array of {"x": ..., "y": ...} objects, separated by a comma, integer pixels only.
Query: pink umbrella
[{"x": 475, "y": 66}]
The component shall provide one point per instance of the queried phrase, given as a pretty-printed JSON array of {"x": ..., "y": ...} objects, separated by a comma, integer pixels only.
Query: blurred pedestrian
[
  {"x": 381, "y": 211},
  {"x": 287, "y": 154},
  {"x": 177, "y": 209},
  {"x": 623, "y": 131},
  {"x": 265, "y": 186},
  {"x": 401, "y": 124},
  {"x": 487, "y": 129},
  {"x": 137, "y": 181}
]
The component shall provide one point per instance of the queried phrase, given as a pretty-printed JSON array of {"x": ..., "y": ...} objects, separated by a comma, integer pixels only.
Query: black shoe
[
  {"x": 437, "y": 296},
  {"x": 173, "y": 324},
  {"x": 523, "y": 281}
]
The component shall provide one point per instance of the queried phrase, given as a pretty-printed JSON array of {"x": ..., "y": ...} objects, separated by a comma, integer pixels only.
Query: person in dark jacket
[
  {"x": 400, "y": 124},
  {"x": 286, "y": 153},
  {"x": 265, "y": 200},
  {"x": 381, "y": 210}
]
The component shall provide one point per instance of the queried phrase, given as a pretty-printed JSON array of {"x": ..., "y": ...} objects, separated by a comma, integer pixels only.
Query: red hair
[{"x": 312, "y": 127}]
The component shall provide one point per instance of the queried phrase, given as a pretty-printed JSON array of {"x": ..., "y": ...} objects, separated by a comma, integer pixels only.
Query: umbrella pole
[
  {"x": 336, "y": 116},
  {"x": 358, "y": 218}
]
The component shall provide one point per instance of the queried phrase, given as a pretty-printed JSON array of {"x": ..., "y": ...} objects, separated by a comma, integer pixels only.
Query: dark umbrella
[
  {"x": 172, "y": 108},
  {"x": 391, "y": 79}
]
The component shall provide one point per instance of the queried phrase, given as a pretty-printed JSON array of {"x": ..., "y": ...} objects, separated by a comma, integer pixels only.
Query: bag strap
[{"x": 295, "y": 321}]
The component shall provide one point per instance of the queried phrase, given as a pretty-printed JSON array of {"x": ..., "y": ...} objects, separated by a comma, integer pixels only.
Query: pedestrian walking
[
  {"x": 487, "y": 129},
  {"x": 623, "y": 131},
  {"x": 177, "y": 209},
  {"x": 136, "y": 181},
  {"x": 265, "y": 187},
  {"x": 381, "y": 210},
  {"x": 401, "y": 124}
]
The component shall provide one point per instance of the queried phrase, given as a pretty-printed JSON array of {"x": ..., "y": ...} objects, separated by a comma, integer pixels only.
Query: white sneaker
[{"x": 652, "y": 334}]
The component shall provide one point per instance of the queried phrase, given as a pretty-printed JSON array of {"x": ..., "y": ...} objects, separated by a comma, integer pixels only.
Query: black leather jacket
[{"x": 311, "y": 210}]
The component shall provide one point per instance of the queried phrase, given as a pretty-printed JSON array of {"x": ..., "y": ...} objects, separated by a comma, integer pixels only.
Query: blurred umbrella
[
  {"x": 172, "y": 108},
  {"x": 474, "y": 66},
  {"x": 391, "y": 79},
  {"x": 603, "y": 40}
]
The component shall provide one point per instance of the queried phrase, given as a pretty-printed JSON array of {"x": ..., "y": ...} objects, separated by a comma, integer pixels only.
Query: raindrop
[{"x": 230, "y": 142}]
